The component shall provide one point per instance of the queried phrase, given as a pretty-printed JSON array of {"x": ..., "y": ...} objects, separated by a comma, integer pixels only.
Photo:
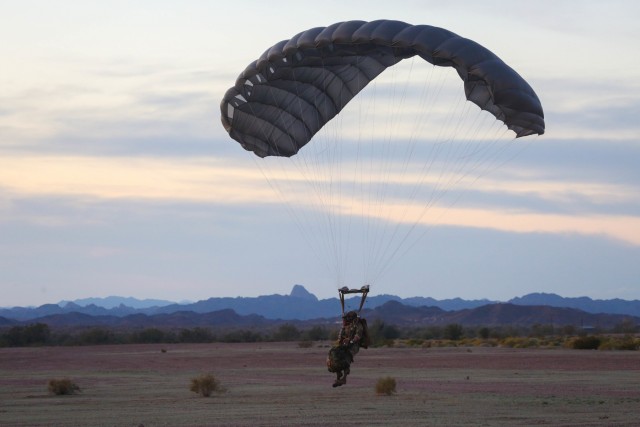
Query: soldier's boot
[
  {"x": 344, "y": 378},
  {"x": 339, "y": 379}
]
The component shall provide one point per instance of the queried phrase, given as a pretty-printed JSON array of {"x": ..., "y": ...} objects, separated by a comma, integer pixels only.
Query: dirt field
[{"x": 277, "y": 384}]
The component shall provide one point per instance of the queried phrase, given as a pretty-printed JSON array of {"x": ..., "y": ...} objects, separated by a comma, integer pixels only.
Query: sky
[{"x": 117, "y": 177}]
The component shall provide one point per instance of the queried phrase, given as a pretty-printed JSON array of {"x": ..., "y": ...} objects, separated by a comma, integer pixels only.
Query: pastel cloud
[{"x": 217, "y": 181}]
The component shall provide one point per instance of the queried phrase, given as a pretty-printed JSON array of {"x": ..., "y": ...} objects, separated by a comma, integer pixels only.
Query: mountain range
[{"x": 301, "y": 305}]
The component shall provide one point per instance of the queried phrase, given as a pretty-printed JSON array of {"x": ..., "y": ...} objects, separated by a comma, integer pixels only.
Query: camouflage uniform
[{"x": 341, "y": 356}]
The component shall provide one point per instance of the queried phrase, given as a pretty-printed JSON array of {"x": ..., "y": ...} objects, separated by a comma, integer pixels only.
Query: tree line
[{"x": 381, "y": 333}]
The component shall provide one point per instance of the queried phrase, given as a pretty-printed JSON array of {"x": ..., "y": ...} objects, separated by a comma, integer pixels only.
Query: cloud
[{"x": 115, "y": 173}]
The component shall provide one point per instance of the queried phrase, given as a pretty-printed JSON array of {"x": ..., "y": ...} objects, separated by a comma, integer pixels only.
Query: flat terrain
[{"x": 277, "y": 384}]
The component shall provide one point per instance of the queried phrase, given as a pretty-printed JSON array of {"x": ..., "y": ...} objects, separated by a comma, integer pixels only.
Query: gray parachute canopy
[{"x": 281, "y": 100}]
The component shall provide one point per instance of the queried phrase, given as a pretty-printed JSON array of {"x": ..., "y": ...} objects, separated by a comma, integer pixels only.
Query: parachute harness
[{"x": 363, "y": 290}]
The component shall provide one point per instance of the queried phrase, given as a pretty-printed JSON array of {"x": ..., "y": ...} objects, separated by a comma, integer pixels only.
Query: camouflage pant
[{"x": 339, "y": 359}]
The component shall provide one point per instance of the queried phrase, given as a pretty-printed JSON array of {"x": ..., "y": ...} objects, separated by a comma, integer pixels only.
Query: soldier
[{"x": 350, "y": 339}]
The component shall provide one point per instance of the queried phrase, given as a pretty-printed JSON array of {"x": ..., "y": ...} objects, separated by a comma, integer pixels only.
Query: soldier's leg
[
  {"x": 339, "y": 378},
  {"x": 347, "y": 371}
]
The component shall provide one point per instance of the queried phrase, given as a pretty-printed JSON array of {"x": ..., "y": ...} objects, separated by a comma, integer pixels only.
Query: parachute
[
  {"x": 284, "y": 104},
  {"x": 282, "y": 99}
]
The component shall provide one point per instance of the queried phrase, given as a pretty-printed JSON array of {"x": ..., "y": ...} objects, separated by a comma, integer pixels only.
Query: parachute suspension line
[
  {"x": 461, "y": 155},
  {"x": 381, "y": 170},
  {"x": 407, "y": 247},
  {"x": 367, "y": 179},
  {"x": 411, "y": 197},
  {"x": 453, "y": 158},
  {"x": 426, "y": 95},
  {"x": 388, "y": 158},
  {"x": 299, "y": 220},
  {"x": 383, "y": 191},
  {"x": 304, "y": 220},
  {"x": 358, "y": 178},
  {"x": 316, "y": 162},
  {"x": 404, "y": 168},
  {"x": 335, "y": 193}
]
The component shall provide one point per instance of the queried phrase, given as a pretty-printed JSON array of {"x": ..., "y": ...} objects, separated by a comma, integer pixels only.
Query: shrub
[
  {"x": 62, "y": 386},
  {"x": 520, "y": 342},
  {"x": 386, "y": 385},
  {"x": 196, "y": 335},
  {"x": 628, "y": 342},
  {"x": 381, "y": 334},
  {"x": 152, "y": 336},
  {"x": 589, "y": 342},
  {"x": 205, "y": 385},
  {"x": 96, "y": 336},
  {"x": 33, "y": 334},
  {"x": 286, "y": 332},
  {"x": 453, "y": 332},
  {"x": 241, "y": 336},
  {"x": 316, "y": 333},
  {"x": 305, "y": 344}
]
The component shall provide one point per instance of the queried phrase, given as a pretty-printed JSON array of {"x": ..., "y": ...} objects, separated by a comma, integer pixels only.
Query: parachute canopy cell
[{"x": 281, "y": 100}]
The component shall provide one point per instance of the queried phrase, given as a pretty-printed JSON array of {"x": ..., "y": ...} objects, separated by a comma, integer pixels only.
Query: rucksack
[{"x": 365, "y": 341}]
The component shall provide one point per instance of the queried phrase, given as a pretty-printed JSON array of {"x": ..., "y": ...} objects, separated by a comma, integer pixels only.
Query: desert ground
[{"x": 278, "y": 384}]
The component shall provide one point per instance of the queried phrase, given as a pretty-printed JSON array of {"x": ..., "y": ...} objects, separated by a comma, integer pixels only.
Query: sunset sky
[{"x": 117, "y": 177}]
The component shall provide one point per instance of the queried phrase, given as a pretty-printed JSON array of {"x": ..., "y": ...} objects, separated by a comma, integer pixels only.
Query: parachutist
[
  {"x": 350, "y": 338},
  {"x": 353, "y": 335}
]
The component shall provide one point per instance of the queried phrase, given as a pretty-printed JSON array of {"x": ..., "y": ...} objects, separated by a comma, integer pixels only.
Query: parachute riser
[{"x": 344, "y": 290}]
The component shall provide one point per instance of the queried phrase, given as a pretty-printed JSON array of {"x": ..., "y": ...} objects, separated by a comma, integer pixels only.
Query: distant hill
[
  {"x": 392, "y": 312},
  {"x": 303, "y": 305},
  {"x": 6, "y": 322},
  {"x": 613, "y": 306},
  {"x": 178, "y": 319},
  {"x": 114, "y": 301},
  {"x": 501, "y": 314}
]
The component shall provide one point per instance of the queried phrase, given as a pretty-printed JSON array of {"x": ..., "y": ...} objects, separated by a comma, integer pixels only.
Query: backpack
[{"x": 365, "y": 341}]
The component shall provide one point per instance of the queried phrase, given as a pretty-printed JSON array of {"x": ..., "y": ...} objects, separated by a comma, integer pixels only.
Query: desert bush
[
  {"x": 286, "y": 332},
  {"x": 317, "y": 333},
  {"x": 511, "y": 342},
  {"x": 196, "y": 335},
  {"x": 627, "y": 326},
  {"x": 484, "y": 333},
  {"x": 62, "y": 386},
  {"x": 242, "y": 336},
  {"x": 444, "y": 343},
  {"x": 153, "y": 336},
  {"x": 589, "y": 342},
  {"x": 305, "y": 344},
  {"x": 627, "y": 342},
  {"x": 205, "y": 385},
  {"x": 542, "y": 330},
  {"x": 33, "y": 334},
  {"x": 95, "y": 336},
  {"x": 382, "y": 334},
  {"x": 453, "y": 332},
  {"x": 386, "y": 385},
  {"x": 414, "y": 342},
  {"x": 481, "y": 342}
]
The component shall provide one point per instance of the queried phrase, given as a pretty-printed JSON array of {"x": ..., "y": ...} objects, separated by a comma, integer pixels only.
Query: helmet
[{"x": 350, "y": 316}]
